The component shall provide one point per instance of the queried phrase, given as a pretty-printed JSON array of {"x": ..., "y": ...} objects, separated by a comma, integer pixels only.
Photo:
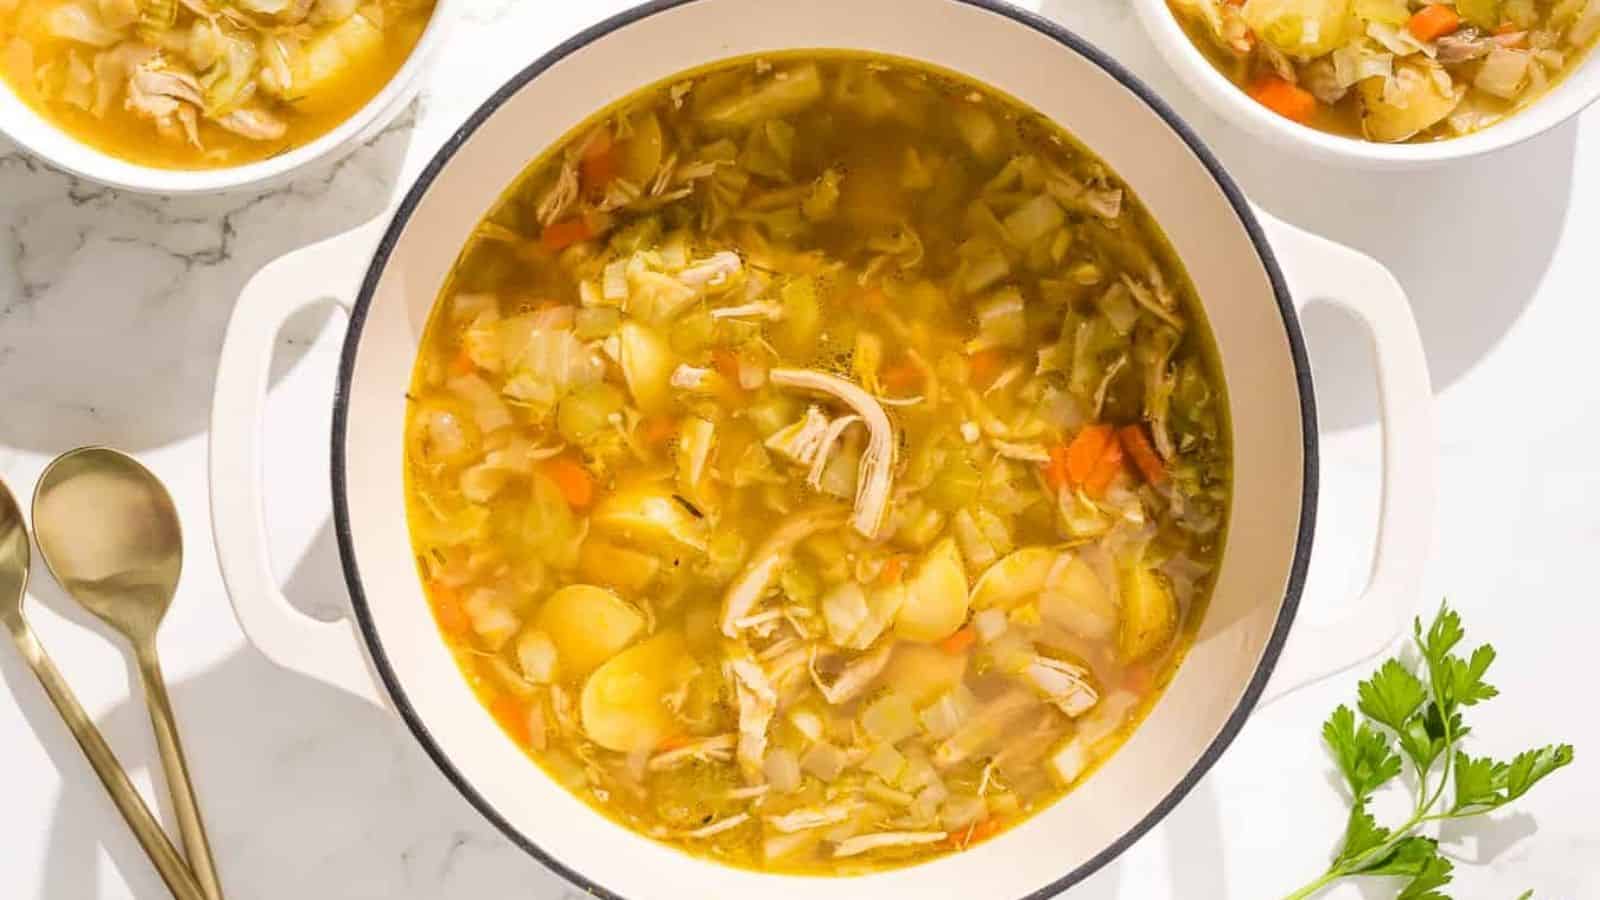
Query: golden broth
[
  {"x": 203, "y": 91},
  {"x": 817, "y": 462}
]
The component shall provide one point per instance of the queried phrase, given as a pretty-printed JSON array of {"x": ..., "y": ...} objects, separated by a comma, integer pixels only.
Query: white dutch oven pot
[{"x": 392, "y": 653}]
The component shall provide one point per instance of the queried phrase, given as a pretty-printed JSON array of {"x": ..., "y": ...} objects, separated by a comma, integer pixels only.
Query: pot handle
[
  {"x": 326, "y": 651},
  {"x": 1318, "y": 269}
]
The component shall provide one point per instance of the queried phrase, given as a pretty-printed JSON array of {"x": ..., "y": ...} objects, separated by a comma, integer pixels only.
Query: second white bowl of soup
[
  {"x": 190, "y": 96},
  {"x": 861, "y": 461},
  {"x": 1387, "y": 83}
]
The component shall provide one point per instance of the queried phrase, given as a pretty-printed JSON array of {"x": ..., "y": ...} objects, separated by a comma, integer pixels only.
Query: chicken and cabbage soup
[
  {"x": 817, "y": 463},
  {"x": 1393, "y": 70},
  {"x": 194, "y": 84}
]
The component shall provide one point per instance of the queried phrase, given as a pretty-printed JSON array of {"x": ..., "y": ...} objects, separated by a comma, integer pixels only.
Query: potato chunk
[
  {"x": 1301, "y": 28},
  {"x": 589, "y": 625},
  {"x": 331, "y": 57},
  {"x": 648, "y": 514},
  {"x": 622, "y": 704},
  {"x": 1149, "y": 614},
  {"x": 936, "y": 596},
  {"x": 1395, "y": 109},
  {"x": 1078, "y": 601}
]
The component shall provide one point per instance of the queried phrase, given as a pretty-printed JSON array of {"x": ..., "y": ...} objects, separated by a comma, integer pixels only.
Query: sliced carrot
[
  {"x": 1285, "y": 99},
  {"x": 447, "y": 610},
  {"x": 1056, "y": 470},
  {"x": 1085, "y": 451},
  {"x": 512, "y": 714},
  {"x": 894, "y": 568},
  {"x": 598, "y": 164},
  {"x": 561, "y": 235},
  {"x": 963, "y": 838},
  {"x": 1143, "y": 453},
  {"x": 957, "y": 643},
  {"x": 657, "y": 431},
  {"x": 575, "y": 482},
  {"x": 1433, "y": 22},
  {"x": 726, "y": 362},
  {"x": 674, "y": 742},
  {"x": 902, "y": 376},
  {"x": 1105, "y": 470},
  {"x": 984, "y": 367},
  {"x": 463, "y": 364}
]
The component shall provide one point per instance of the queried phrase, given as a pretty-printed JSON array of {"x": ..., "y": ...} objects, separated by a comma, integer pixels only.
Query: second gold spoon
[{"x": 107, "y": 529}]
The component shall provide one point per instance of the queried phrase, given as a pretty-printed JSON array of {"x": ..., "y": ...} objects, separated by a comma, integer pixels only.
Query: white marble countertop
[{"x": 112, "y": 309}]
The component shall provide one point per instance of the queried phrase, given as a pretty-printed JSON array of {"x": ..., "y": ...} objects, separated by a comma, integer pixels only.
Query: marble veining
[{"x": 112, "y": 308}]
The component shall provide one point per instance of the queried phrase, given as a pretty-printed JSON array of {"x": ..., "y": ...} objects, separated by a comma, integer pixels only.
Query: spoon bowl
[{"x": 109, "y": 532}]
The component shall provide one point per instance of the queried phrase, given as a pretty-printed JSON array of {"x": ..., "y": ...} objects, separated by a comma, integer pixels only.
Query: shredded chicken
[
  {"x": 695, "y": 379},
  {"x": 757, "y": 703},
  {"x": 877, "y": 463},
  {"x": 813, "y": 817},
  {"x": 751, "y": 585},
  {"x": 1064, "y": 684},
  {"x": 862, "y": 843},
  {"x": 1024, "y": 452},
  {"x": 799, "y": 441},
  {"x": 717, "y": 827},
  {"x": 718, "y": 748},
  {"x": 713, "y": 271},
  {"x": 760, "y": 309},
  {"x": 165, "y": 96},
  {"x": 255, "y": 124},
  {"x": 855, "y": 678},
  {"x": 561, "y": 195}
]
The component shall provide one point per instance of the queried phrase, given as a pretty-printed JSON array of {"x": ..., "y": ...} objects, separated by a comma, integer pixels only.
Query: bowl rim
[
  {"x": 1296, "y": 576},
  {"x": 46, "y": 140},
  {"x": 1229, "y": 101}
]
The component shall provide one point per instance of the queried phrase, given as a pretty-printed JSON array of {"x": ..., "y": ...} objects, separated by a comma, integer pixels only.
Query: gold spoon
[
  {"x": 109, "y": 533},
  {"x": 14, "y": 559}
]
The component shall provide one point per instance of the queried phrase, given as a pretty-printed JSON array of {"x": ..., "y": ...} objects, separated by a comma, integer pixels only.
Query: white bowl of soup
[
  {"x": 191, "y": 96},
  {"x": 1385, "y": 83},
  {"x": 799, "y": 442}
]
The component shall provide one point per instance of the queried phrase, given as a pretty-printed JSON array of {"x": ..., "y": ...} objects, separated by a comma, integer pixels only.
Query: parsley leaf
[
  {"x": 1362, "y": 752},
  {"x": 1362, "y": 833},
  {"x": 1410, "y": 857},
  {"x": 1435, "y": 873},
  {"x": 1479, "y": 782},
  {"x": 1391, "y": 695},
  {"x": 1530, "y": 766}
]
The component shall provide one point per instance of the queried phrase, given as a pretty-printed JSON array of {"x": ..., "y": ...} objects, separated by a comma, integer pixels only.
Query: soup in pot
[
  {"x": 201, "y": 84},
  {"x": 818, "y": 463}
]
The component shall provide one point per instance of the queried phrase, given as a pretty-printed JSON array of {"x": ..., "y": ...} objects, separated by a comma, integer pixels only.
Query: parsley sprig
[{"x": 1422, "y": 717}]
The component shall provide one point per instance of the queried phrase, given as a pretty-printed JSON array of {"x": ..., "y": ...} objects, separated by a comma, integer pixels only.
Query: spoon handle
[
  {"x": 176, "y": 766},
  {"x": 160, "y": 850}
]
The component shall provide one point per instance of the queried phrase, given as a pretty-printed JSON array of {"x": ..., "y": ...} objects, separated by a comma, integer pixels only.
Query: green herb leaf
[
  {"x": 1420, "y": 744},
  {"x": 1464, "y": 679},
  {"x": 1363, "y": 752},
  {"x": 1361, "y": 834},
  {"x": 1411, "y": 856},
  {"x": 1443, "y": 635},
  {"x": 1435, "y": 873},
  {"x": 1391, "y": 695},
  {"x": 1530, "y": 766},
  {"x": 1479, "y": 782}
]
